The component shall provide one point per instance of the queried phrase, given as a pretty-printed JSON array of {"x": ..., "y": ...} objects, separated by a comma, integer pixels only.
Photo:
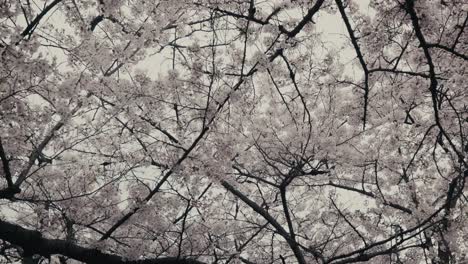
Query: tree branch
[
  {"x": 6, "y": 165},
  {"x": 291, "y": 242},
  {"x": 34, "y": 243},
  {"x": 30, "y": 28},
  {"x": 350, "y": 30}
]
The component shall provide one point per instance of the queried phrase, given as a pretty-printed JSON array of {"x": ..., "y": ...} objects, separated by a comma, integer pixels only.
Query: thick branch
[
  {"x": 9, "y": 193},
  {"x": 30, "y": 28},
  {"x": 293, "y": 244},
  {"x": 350, "y": 30},
  {"x": 457, "y": 184},
  {"x": 6, "y": 165},
  {"x": 34, "y": 243},
  {"x": 304, "y": 21}
]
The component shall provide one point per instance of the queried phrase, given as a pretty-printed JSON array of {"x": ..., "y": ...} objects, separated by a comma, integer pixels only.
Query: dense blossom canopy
[{"x": 246, "y": 131}]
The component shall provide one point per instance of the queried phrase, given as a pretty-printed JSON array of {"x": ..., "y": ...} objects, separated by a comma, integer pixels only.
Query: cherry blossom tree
[{"x": 216, "y": 131}]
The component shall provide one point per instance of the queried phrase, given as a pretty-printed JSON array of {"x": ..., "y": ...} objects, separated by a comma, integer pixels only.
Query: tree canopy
[{"x": 246, "y": 131}]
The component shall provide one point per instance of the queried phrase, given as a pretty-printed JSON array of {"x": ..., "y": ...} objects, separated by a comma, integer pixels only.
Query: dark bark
[
  {"x": 33, "y": 242},
  {"x": 30, "y": 28}
]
